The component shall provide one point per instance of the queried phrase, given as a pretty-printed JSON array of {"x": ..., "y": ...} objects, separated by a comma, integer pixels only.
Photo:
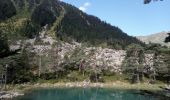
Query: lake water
[{"x": 85, "y": 94}]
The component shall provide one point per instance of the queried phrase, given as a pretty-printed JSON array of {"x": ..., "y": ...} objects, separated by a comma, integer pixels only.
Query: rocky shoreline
[{"x": 9, "y": 94}]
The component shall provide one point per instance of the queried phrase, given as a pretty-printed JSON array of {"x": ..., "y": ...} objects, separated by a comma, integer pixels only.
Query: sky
[{"x": 132, "y": 16}]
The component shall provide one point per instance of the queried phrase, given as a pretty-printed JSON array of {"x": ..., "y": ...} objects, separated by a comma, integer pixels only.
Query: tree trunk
[
  {"x": 138, "y": 79},
  {"x": 6, "y": 74},
  {"x": 154, "y": 78},
  {"x": 1, "y": 81},
  {"x": 39, "y": 69}
]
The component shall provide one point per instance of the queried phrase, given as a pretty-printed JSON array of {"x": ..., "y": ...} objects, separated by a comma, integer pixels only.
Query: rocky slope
[
  {"x": 155, "y": 38},
  {"x": 104, "y": 58},
  {"x": 47, "y": 55}
]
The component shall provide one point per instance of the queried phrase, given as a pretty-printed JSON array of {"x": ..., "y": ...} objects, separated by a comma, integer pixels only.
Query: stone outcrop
[
  {"x": 107, "y": 58},
  {"x": 149, "y": 62},
  {"x": 52, "y": 51}
]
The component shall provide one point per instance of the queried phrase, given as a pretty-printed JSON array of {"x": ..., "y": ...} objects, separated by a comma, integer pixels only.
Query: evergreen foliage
[
  {"x": 86, "y": 28},
  {"x": 30, "y": 29},
  {"x": 7, "y": 9},
  {"x": 4, "y": 49},
  {"x": 133, "y": 63},
  {"x": 167, "y": 39},
  {"x": 19, "y": 69},
  {"x": 46, "y": 12}
]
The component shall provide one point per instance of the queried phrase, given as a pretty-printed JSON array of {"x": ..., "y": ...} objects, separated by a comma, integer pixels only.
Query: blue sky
[{"x": 132, "y": 16}]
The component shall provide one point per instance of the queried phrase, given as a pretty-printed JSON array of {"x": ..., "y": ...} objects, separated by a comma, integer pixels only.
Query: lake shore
[
  {"x": 20, "y": 89},
  {"x": 117, "y": 85}
]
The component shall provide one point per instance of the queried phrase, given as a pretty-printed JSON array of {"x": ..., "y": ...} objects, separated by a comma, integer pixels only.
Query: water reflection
[{"x": 85, "y": 94}]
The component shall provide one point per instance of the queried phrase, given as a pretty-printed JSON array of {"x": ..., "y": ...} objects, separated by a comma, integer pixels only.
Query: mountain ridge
[{"x": 158, "y": 38}]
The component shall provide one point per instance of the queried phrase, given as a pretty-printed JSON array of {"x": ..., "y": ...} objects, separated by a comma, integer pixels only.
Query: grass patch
[{"x": 116, "y": 77}]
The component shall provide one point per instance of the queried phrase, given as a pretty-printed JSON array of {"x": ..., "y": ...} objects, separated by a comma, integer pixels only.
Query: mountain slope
[
  {"x": 87, "y": 28},
  {"x": 64, "y": 21},
  {"x": 155, "y": 38}
]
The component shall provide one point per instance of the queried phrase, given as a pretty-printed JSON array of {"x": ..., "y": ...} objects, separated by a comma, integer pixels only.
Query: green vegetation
[
  {"x": 134, "y": 62},
  {"x": 19, "y": 25},
  {"x": 30, "y": 29},
  {"x": 76, "y": 69},
  {"x": 86, "y": 28},
  {"x": 167, "y": 39},
  {"x": 19, "y": 70},
  {"x": 52, "y": 30},
  {"x": 46, "y": 12},
  {"x": 70, "y": 24},
  {"x": 7, "y": 9},
  {"x": 3, "y": 44},
  {"x": 65, "y": 21}
]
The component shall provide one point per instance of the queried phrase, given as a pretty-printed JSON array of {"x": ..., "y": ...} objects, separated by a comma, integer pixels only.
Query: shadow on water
[
  {"x": 87, "y": 94},
  {"x": 162, "y": 95}
]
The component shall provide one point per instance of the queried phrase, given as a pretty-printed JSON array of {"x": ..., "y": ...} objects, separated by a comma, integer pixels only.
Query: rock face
[
  {"x": 49, "y": 53},
  {"x": 149, "y": 62},
  {"x": 106, "y": 58},
  {"x": 52, "y": 51},
  {"x": 155, "y": 38}
]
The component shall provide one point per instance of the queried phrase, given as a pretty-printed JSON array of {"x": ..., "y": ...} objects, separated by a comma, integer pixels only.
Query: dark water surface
[{"x": 85, "y": 94}]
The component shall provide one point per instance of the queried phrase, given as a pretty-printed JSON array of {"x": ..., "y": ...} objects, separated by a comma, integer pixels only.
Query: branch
[{"x": 148, "y": 1}]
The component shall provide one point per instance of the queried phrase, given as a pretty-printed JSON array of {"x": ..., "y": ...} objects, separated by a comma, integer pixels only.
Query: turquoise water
[{"x": 85, "y": 94}]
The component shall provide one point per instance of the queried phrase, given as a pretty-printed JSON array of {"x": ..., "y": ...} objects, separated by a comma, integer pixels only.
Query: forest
[{"x": 21, "y": 21}]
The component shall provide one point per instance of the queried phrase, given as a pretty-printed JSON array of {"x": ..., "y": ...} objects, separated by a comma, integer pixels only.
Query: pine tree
[
  {"x": 133, "y": 63},
  {"x": 4, "y": 49}
]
